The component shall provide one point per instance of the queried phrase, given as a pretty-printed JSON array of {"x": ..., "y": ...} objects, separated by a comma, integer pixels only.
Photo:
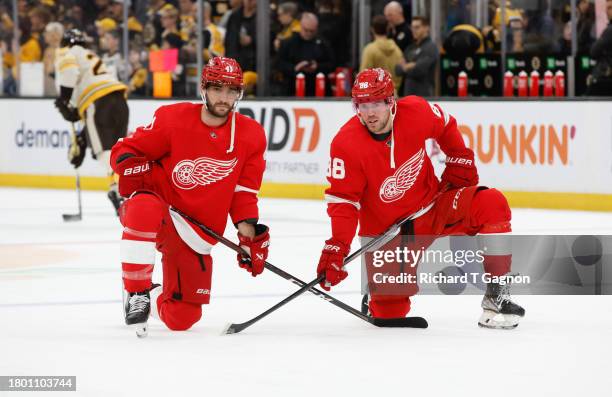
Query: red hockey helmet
[
  {"x": 372, "y": 85},
  {"x": 223, "y": 71}
]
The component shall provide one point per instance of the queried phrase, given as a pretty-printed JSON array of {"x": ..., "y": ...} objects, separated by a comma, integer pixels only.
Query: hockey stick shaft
[
  {"x": 78, "y": 188},
  {"x": 235, "y": 247},
  {"x": 79, "y": 215},
  {"x": 78, "y": 177}
]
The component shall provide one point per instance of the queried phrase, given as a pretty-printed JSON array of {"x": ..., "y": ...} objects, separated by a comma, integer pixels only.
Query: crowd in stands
[{"x": 307, "y": 36}]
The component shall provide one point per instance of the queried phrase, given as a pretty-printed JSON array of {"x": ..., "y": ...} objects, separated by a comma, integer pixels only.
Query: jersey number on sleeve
[{"x": 335, "y": 168}]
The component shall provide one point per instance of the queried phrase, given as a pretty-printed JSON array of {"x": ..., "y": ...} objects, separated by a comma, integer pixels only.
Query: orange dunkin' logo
[
  {"x": 531, "y": 144},
  {"x": 188, "y": 174}
]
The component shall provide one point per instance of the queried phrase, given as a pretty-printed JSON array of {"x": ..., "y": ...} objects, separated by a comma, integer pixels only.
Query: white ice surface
[{"x": 60, "y": 314}]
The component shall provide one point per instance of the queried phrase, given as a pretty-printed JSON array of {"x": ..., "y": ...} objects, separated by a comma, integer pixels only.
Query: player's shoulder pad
[
  {"x": 64, "y": 53},
  {"x": 416, "y": 104},
  {"x": 250, "y": 128},
  {"x": 177, "y": 110},
  {"x": 348, "y": 131},
  {"x": 77, "y": 50},
  {"x": 347, "y": 137},
  {"x": 412, "y": 102}
]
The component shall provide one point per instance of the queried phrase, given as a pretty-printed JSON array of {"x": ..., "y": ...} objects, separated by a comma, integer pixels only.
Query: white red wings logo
[
  {"x": 188, "y": 174},
  {"x": 394, "y": 187}
]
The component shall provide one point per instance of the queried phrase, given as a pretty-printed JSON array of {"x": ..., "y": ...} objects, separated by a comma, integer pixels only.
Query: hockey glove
[
  {"x": 132, "y": 171},
  {"x": 76, "y": 150},
  {"x": 257, "y": 247},
  {"x": 460, "y": 169},
  {"x": 69, "y": 113},
  {"x": 331, "y": 263}
]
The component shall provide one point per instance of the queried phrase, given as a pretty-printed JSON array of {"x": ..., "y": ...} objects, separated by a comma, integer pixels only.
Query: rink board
[{"x": 554, "y": 154}]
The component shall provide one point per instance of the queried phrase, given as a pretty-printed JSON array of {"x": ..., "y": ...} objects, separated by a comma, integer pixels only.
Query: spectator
[
  {"x": 512, "y": 13},
  {"x": 234, "y": 5},
  {"x": 53, "y": 37},
  {"x": 73, "y": 18},
  {"x": 382, "y": 52},
  {"x": 333, "y": 25},
  {"x": 30, "y": 50},
  {"x": 169, "y": 21},
  {"x": 399, "y": 28},
  {"x": 457, "y": 14},
  {"x": 138, "y": 78},
  {"x": 539, "y": 31},
  {"x": 105, "y": 25},
  {"x": 287, "y": 17},
  {"x": 213, "y": 36},
  {"x": 585, "y": 26},
  {"x": 514, "y": 22},
  {"x": 565, "y": 41},
  {"x": 419, "y": 65},
  {"x": 112, "y": 58},
  {"x": 305, "y": 52},
  {"x": 115, "y": 10},
  {"x": 6, "y": 23},
  {"x": 240, "y": 35},
  {"x": 94, "y": 10},
  {"x": 464, "y": 40},
  {"x": 153, "y": 28},
  {"x": 39, "y": 18},
  {"x": 187, "y": 19},
  {"x": 601, "y": 78}
]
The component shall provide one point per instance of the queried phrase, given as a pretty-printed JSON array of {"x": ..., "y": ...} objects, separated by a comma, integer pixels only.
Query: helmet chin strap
[
  {"x": 393, "y": 111},
  {"x": 203, "y": 96}
]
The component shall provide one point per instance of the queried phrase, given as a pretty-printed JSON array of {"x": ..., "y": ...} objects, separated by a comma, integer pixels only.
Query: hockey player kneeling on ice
[
  {"x": 207, "y": 161},
  {"x": 380, "y": 172},
  {"x": 89, "y": 92}
]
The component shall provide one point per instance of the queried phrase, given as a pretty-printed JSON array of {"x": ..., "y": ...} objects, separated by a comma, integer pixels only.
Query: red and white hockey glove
[
  {"x": 460, "y": 169},
  {"x": 257, "y": 247},
  {"x": 331, "y": 263},
  {"x": 132, "y": 171}
]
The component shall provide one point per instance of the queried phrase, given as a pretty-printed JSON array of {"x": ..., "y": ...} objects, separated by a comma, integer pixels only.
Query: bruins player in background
[{"x": 90, "y": 93}]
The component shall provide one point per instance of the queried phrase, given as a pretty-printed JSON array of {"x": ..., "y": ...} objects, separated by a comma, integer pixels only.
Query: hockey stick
[
  {"x": 414, "y": 322},
  {"x": 377, "y": 241},
  {"x": 79, "y": 215}
]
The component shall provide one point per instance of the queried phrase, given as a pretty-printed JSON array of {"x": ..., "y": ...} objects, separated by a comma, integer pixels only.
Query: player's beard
[{"x": 213, "y": 108}]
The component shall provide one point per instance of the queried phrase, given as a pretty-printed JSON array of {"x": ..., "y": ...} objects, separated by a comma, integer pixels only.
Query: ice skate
[
  {"x": 137, "y": 307},
  {"x": 499, "y": 312}
]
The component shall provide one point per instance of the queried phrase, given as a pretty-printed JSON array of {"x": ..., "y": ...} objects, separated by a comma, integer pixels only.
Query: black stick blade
[
  {"x": 71, "y": 217},
  {"x": 234, "y": 328},
  {"x": 407, "y": 322}
]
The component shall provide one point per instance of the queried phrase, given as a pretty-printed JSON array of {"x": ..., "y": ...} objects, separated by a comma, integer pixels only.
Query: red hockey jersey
[
  {"x": 365, "y": 188},
  {"x": 192, "y": 169}
]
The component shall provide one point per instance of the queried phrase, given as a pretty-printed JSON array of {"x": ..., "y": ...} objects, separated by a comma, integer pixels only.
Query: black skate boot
[
  {"x": 137, "y": 307},
  {"x": 365, "y": 305},
  {"x": 499, "y": 312}
]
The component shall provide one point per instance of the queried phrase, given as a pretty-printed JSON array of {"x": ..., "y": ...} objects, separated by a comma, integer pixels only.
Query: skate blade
[
  {"x": 141, "y": 329},
  {"x": 490, "y": 319}
]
